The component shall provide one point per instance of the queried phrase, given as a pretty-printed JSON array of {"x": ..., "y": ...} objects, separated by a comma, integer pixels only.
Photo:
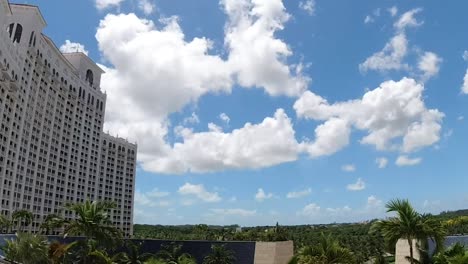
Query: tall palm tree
[
  {"x": 327, "y": 251},
  {"x": 22, "y": 218},
  {"x": 220, "y": 255},
  {"x": 51, "y": 222},
  {"x": 410, "y": 225},
  {"x": 92, "y": 221}
]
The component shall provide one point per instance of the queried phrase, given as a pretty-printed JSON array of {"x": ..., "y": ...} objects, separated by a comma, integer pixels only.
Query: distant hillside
[{"x": 354, "y": 236}]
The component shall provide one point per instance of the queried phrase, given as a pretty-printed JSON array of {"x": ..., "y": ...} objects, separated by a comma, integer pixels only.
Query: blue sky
[{"x": 255, "y": 111}]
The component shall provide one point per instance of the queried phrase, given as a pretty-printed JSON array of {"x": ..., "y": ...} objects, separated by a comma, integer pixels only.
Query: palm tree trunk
[{"x": 410, "y": 242}]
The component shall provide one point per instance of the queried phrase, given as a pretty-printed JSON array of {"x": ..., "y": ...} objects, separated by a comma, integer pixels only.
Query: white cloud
[
  {"x": 381, "y": 162},
  {"x": 255, "y": 56},
  {"x": 200, "y": 192},
  {"x": 348, "y": 168},
  {"x": 299, "y": 194},
  {"x": 371, "y": 18},
  {"x": 261, "y": 196},
  {"x": 390, "y": 57},
  {"x": 404, "y": 160},
  {"x": 69, "y": 47},
  {"x": 330, "y": 137},
  {"x": 103, "y": 4},
  {"x": 358, "y": 186},
  {"x": 408, "y": 20},
  {"x": 394, "y": 110},
  {"x": 465, "y": 83},
  {"x": 368, "y": 19},
  {"x": 146, "y": 6},
  {"x": 193, "y": 119},
  {"x": 156, "y": 193},
  {"x": 374, "y": 203},
  {"x": 234, "y": 212},
  {"x": 308, "y": 6},
  {"x": 148, "y": 200},
  {"x": 310, "y": 210},
  {"x": 393, "y": 11},
  {"x": 253, "y": 146},
  {"x": 465, "y": 55},
  {"x": 429, "y": 65},
  {"x": 142, "y": 54},
  {"x": 225, "y": 118},
  {"x": 460, "y": 118}
]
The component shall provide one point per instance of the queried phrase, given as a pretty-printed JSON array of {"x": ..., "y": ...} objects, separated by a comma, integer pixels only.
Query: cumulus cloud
[
  {"x": 465, "y": 83},
  {"x": 371, "y": 18},
  {"x": 308, "y": 6},
  {"x": 330, "y": 137},
  {"x": 381, "y": 162},
  {"x": 311, "y": 209},
  {"x": 299, "y": 194},
  {"x": 404, "y": 160},
  {"x": 429, "y": 65},
  {"x": 465, "y": 55},
  {"x": 103, "y": 4},
  {"x": 390, "y": 57},
  {"x": 253, "y": 146},
  {"x": 374, "y": 203},
  {"x": 348, "y": 168},
  {"x": 192, "y": 119},
  {"x": 146, "y": 6},
  {"x": 225, "y": 118},
  {"x": 143, "y": 54},
  {"x": 69, "y": 47},
  {"x": 200, "y": 192},
  {"x": 148, "y": 200},
  {"x": 408, "y": 20},
  {"x": 261, "y": 196},
  {"x": 359, "y": 185},
  {"x": 393, "y": 11},
  {"x": 394, "y": 110},
  {"x": 368, "y": 19}
]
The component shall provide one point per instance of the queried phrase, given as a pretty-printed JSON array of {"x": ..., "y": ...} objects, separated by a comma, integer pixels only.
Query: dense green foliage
[
  {"x": 354, "y": 236},
  {"x": 314, "y": 244}
]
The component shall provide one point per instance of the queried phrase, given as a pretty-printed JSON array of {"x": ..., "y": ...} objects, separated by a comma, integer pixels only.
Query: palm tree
[
  {"x": 4, "y": 224},
  {"x": 51, "y": 222},
  {"x": 454, "y": 255},
  {"x": 219, "y": 255},
  {"x": 92, "y": 221},
  {"x": 27, "y": 249},
  {"x": 327, "y": 251},
  {"x": 409, "y": 225},
  {"x": 172, "y": 254},
  {"x": 22, "y": 217},
  {"x": 132, "y": 256}
]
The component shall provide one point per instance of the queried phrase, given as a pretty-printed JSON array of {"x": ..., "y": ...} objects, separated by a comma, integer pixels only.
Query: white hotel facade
[{"x": 52, "y": 147}]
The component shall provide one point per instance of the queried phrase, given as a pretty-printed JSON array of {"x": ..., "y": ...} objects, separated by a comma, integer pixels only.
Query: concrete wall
[
  {"x": 402, "y": 251},
  {"x": 273, "y": 252}
]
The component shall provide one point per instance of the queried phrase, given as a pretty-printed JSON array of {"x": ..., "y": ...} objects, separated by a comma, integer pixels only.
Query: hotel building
[{"x": 52, "y": 147}]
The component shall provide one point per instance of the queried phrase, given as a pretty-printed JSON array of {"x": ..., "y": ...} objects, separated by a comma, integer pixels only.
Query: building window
[
  {"x": 10, "y": 29},
  {"x": 18, "y": 33},
  {"x": 31, "y": 39},
  {"x": 89, "y": 77}
]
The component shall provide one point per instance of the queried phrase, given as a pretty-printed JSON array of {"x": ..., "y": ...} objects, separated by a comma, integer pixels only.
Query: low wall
[
  {"x": 273, "y": 252},
  {"x": 245, "y": 252}
]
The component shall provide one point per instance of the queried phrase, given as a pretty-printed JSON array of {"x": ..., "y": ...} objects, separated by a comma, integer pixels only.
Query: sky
[{"x": 251, "y": 112}]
